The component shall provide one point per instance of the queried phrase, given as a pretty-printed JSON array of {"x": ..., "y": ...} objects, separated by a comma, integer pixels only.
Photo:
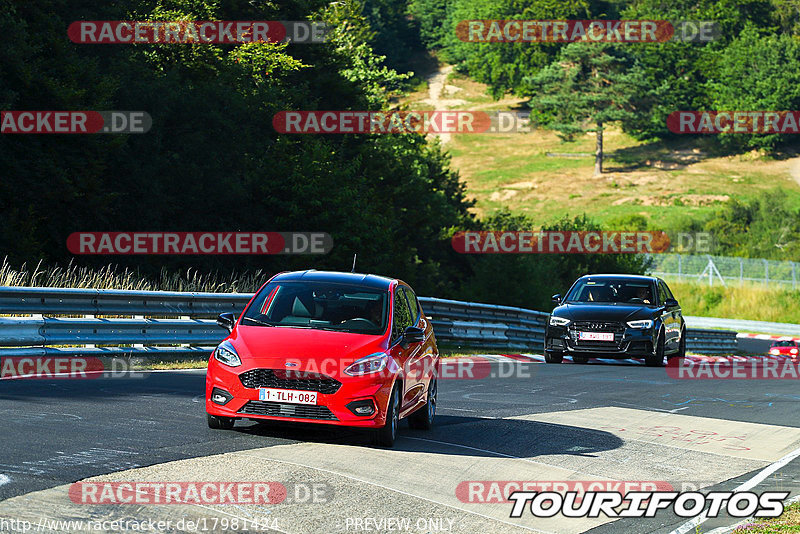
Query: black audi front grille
[
  {"x": 289, "y": 379},
  {"x": 281, "y": 409},
  {"x": 598, "y": 326}
]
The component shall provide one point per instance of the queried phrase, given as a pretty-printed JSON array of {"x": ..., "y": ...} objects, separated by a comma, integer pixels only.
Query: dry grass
[
  {"x": 112, "y": 277},
  {"x": 789, "y": 521},
  {"x": 664, "y": 183},
  {"x": 751, "y": 302}
]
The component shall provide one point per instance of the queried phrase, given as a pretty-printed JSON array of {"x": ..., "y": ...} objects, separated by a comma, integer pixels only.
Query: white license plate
[
  {"x": 292, "y": 396},
  {"x": 596, "y": 336}
]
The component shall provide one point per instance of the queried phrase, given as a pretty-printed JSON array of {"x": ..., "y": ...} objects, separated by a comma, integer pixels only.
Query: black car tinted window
[{"x": 612, "y": 290}]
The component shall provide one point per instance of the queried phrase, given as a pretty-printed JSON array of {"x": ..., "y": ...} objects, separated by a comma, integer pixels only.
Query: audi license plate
[
  {"x": 292, "y": 396},
  {"x": 596, "y": 336}
]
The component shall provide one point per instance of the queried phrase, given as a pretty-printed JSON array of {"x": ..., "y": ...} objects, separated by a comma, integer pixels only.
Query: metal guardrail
[
  {"x": 470, "y": 324},
  {"x": 176, "y": 324},
  {"x": 741, "y": 325}
]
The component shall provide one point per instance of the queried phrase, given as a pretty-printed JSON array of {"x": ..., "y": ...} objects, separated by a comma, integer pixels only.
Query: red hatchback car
[
  {"x": 784, "y": 347},
  {"x": 327, "y": 347}
]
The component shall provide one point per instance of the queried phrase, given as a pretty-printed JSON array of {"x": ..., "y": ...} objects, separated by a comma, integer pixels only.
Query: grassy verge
[
  {"x": 756, "y": 303},
  {"x": 789, "y": 521},
  {"x": 667, "y": 183}
]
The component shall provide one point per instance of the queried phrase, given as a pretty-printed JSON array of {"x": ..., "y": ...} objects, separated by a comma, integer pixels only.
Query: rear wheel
[
  {"x": 657, "y": 359},
  {"x": 422, "y": 419},
  {"x": 386, "y": 435},
  {"x": 218, "y": 422},
  {"x": 580, "y": 359},
  {"x": 553, "y": 357}
]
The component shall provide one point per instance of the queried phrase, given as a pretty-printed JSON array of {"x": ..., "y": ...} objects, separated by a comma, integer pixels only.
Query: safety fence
[{"x": 100, "y": 322}]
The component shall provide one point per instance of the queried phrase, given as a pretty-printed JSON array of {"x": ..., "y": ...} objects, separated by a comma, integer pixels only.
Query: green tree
[{"x": 587, "y": 87}]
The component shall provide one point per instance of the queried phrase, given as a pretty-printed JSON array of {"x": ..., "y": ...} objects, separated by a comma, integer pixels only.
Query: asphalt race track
[{"x": 526, "y": 421}]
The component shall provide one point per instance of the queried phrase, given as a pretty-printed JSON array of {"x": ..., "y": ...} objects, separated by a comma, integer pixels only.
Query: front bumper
[
  {"x": 628, "y": 342},
  {"x": 331, "y": 408}
]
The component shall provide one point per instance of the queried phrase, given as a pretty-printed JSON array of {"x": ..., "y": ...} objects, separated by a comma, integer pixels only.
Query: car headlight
[
  {"x": 374, "y": 363},
  {"x": 643, "y": 324},
  {"x": 774, "y": 351},
  {"x": 793, "y": 351},
  {"x": 226, "y": 354},
  {"x": 558, "y": 321}
]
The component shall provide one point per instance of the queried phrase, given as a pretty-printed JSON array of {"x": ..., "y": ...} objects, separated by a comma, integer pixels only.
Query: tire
[
  {"x": 385, "y": 436},
  {"x": 422, "y": 419},
  {"x": 657, "y": 359},
  {"x": 220, "y": 423},
  {"x": 580, "y": 359},
  {"x": 681, "y": 354},
  {"x": 553, "y": 357}
]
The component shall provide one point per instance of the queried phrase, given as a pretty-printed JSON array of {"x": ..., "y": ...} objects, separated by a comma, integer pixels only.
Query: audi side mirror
[
  {"x": 227, "y": 321},
  {"x": 556, "y": 298},
  {"x": 671, "y": 303}
]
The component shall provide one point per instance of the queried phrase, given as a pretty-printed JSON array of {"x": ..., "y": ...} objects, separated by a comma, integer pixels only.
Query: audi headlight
[
  {"x": 374, "y": 363},
  {"x": 226, "y": 354},
  {"x": 644, "y": 324},
  {"x": 558, "y": 321},
  {"x": 776, "y": 352}
]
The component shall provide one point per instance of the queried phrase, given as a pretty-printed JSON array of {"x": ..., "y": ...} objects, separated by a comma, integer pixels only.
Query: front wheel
[
  {"x": 553, "y": 357},
  {"x": 218, "y": 422},
  {"x": 681, "y": 354},
  {"x": 422, "y": 419},
  {"x": 657, "y": 359},
  {"x": 386, "y": 435}
]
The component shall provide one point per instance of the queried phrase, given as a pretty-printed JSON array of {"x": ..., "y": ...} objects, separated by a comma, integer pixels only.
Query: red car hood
[{"x": 272, "y": 347}]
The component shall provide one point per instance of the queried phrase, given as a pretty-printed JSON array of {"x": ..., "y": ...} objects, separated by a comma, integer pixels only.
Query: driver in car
[{"x": 643, "y": 294}]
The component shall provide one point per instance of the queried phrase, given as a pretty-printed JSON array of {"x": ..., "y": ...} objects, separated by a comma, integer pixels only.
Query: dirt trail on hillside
[
  {"x": 436, "y": 90},
  {"x": 794, "y": 169}
]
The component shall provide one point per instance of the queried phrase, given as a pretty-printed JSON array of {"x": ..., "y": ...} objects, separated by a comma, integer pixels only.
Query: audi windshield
[{"x": 612, "y": 291}]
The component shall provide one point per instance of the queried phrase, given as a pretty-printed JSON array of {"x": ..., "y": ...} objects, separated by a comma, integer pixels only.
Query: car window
[
  {"x": 413, "y": 303},
  {"x": 402, "y": 314},
  {"x": 321, "y": 306},
  {"x": 667, "y": 290},
  {"x": 662, "y": 293}
]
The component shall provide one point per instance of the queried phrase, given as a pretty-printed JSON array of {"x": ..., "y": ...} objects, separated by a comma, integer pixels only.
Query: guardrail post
[{"x": 794, "y": 276}]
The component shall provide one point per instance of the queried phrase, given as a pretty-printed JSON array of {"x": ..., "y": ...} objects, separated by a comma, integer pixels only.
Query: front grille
[
  {"x": 281, "y": 409},
  {"x": 289, "y": 379},
  {"x": 599, "y": 326}
]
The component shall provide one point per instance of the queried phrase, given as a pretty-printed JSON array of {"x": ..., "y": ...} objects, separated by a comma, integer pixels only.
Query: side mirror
[
  {"x": 556, "y": 298},
  {"x": 413, "y": 335},
  {"x": 227, "y": 321},
  {"x": 671, "y": 303}
]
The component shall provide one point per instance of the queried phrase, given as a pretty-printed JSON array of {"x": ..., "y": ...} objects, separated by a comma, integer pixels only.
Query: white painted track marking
[{"x": 750, "y": 484}]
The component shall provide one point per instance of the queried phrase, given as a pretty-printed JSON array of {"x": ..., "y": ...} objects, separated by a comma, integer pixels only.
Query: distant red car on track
[
  {"x": 784, "y": 347},
  {"x": 327, "y": 347}
]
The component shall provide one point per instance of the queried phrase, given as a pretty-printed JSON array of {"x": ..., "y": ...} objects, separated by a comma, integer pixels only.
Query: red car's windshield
[{"x": 320, "y": 305}]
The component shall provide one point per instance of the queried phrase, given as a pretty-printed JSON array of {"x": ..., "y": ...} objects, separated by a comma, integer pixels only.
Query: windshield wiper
[{"x": 263, "y": 323}]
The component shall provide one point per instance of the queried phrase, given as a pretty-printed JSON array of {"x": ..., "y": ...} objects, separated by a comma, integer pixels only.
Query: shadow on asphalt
[{"x": 455, "y": 435}]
